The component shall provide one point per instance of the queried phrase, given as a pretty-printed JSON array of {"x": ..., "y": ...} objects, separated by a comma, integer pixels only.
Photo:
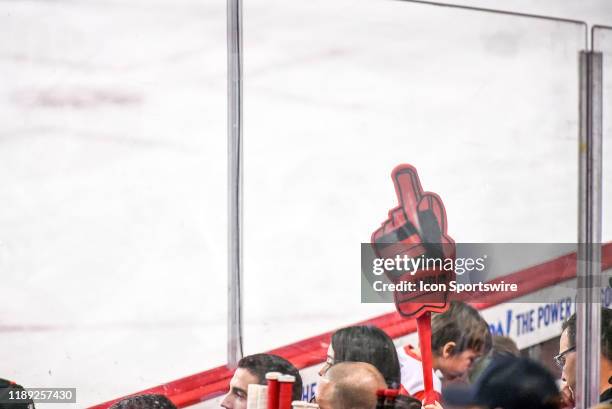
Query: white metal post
[
  {"x": 588, "y": 305},
  {"x": 234, "y": 90}
]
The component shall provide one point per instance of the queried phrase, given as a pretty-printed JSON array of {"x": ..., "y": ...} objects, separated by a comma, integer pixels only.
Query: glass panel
[
  {"x": 113, "y": 191},
  {"x": 602, "y": 42},
  {"x": 485, "y": 106}
]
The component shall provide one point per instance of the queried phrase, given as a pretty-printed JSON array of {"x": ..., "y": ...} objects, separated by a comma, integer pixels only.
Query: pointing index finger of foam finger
[{"x": 408, "y": 189}]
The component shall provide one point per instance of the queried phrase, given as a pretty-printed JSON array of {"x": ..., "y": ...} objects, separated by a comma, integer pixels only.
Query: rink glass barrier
[
  {"x": 113, "y": 191},
  {"x": 601, "y": 38},
  {"x": 602, "y": 42},
  {"x": 483, "y": 105},
  {"x": 114, "y": 225}
]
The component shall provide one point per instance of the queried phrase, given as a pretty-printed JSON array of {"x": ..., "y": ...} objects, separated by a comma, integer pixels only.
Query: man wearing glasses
[{"x": 566, "y": 359}]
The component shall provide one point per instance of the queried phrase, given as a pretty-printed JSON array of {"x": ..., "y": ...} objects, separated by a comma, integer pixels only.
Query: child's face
[{"x": 457, "y": 365}]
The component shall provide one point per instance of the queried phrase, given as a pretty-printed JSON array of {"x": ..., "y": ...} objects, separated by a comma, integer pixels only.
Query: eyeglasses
[
  {"x": 329, "y": 362},
  {"x": 560, "y": 359}
]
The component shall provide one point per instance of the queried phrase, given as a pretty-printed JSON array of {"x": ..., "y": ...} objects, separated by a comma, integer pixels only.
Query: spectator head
[
  {"x": 504, "y": 346},
  {"x": 501, "y": 346},
  {"x": 566, "y": 358},
  {"x": 365, "y": 343},
  {"x": 349, "y": 385},
  {"x": 459, "y": 336},
  {"x": 144, "y": 402},
  {"x": 252, "y": 369},
  {"x": 407, "y": 402},
  {"x": 7, "y": 390},
  {"x": 508, "y": 383}
]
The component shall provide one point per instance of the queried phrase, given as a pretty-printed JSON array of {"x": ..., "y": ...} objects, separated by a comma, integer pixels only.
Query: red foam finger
[{"x": 418, "y": 227}]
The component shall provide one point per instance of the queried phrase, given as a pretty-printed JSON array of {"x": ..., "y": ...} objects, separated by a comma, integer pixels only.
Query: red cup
[
  {"x": 285, "y": 391},
  {"x": 273, "y": 389}
]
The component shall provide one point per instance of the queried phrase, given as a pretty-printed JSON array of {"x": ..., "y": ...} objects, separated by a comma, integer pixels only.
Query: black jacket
[{"x": 606, "y": 396}]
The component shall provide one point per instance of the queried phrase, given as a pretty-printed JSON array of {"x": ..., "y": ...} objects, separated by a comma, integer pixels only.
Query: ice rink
[{"x": 113, "y": 166}]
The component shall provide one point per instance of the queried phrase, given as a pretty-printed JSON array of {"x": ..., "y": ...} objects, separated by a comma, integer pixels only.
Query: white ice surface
[{"x": 113, "y": 166}]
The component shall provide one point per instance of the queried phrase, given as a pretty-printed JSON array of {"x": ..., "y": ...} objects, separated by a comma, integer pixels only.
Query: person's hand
[
  {"x": 435, "y": 405},
  {"x": 568, "y": 400}
]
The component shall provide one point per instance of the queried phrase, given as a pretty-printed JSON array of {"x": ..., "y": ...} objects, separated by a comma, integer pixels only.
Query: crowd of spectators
[{"x": 472, "y": 369}]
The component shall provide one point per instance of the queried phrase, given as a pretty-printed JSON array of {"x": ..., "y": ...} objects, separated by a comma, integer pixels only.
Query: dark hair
[
  {"x": 502, "y": 346},
  {"x": 260, "y": 364},
  {"x": 462, "y": 325},
  {"x": 407, "y": 402},
  {"x": 6, "y": 387},
  {"x": 510, "y": 383},
  {"x": 148, "y": 401},
  {"x": 606, "y": 331},
  {"x": 370, "y": 344}
]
